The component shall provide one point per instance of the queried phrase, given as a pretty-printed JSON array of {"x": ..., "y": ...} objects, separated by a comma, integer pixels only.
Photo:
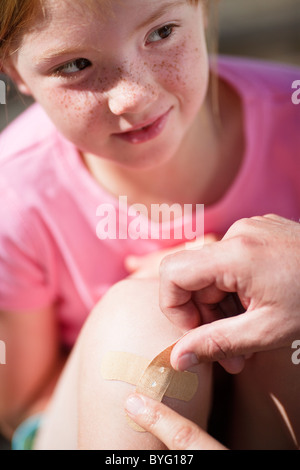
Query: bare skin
[
  {"x": 90, "y": 104},
  {"x": 91, "y": 94},
  {"x": 247, "y": 262},
  {"x": 258, "y": 259},
  {"x": 95, "y": 418}
]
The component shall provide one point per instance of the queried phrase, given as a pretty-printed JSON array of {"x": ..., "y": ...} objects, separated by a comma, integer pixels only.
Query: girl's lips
[{"x": 146, "y": 133}]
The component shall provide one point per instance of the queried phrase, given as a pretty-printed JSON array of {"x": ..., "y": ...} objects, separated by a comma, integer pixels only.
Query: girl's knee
[{"x": 128, "y": 319}]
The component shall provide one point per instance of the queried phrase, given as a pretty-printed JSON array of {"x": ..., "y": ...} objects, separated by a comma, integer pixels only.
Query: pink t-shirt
[{"x": 50, "y": 251}]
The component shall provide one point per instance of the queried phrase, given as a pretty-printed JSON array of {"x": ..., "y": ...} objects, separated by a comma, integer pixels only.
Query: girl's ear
[{"x": 9, "y": 69}]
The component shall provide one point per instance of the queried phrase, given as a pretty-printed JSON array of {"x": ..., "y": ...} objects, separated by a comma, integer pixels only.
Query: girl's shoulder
[{"x": 30, "y": 147}]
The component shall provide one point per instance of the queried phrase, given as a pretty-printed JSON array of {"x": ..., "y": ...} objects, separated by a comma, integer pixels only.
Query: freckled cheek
[
  {"x": 185, "y": 73},
  {"x": 74, "y": 109}
]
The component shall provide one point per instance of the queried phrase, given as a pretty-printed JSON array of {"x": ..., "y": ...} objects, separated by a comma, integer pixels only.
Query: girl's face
[{"x": 125, "y": 84}]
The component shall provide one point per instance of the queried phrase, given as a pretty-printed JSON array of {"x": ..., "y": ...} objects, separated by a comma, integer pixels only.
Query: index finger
[
  {"x": 213, "y": 269},
  {"x": 176, "y": 432}
]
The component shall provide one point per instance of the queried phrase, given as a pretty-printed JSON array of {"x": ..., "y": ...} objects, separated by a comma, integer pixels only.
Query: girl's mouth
[{"x": 145, "y": 133}]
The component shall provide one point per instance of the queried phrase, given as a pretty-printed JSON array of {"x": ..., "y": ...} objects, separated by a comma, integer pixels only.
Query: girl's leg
[
  {"x": 87, "y": 412},
  {"x": 59, "y": 426},
  {"x": 266, "y": 403}
]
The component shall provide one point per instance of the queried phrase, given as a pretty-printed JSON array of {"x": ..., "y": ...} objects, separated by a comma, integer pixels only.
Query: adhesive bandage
[{"x": 154, "y": 379}]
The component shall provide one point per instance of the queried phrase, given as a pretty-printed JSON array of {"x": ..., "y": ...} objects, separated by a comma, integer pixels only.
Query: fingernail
[
  {"x": 135, "y": 405},
  {"x": 186, "y": 361}
]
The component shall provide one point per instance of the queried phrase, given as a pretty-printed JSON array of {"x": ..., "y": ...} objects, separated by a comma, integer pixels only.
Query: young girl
[{"x": 123, "y": 108}]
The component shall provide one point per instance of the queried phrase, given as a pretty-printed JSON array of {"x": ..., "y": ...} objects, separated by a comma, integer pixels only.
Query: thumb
[
  {"x": 227, "y": 341},
  {"x": 175, "y": 431}
]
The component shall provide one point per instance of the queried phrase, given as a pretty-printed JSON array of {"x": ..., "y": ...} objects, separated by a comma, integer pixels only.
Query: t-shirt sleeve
[{"x": 25, "y": 281}]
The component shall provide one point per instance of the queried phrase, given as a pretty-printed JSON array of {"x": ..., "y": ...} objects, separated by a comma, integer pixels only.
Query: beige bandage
[{"x": 154, "y": 379}]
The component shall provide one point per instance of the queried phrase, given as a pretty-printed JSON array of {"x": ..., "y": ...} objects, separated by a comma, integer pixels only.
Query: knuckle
[
  {"x": 185, "y": 437},
  {"x": 270, "y": 215},
  {"x": 151, "y": 418},
  {"x": 244, "y": 244},
  {"x": 166, "y": 267},
  {"x": 239, "y": 226},
  {"x": 163, "y": 268},
  {"x": 218, "y": 346},
  {"x": 258, "y": 218},
  {"x": 244, "y": 241}
]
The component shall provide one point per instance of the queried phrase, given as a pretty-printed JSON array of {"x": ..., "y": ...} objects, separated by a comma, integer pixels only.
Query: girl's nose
[{"x": 131, "y": 95}]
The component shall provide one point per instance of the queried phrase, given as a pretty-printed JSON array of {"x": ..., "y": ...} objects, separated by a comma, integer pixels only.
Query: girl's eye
[
  {"x": 161, "y": 33},
  {"x": 73, "y": 67}
]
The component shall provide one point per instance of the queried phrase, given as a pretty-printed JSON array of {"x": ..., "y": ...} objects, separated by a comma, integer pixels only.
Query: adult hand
[
  {"x": 176, "y": 432},
  {"x": 259, "y": 261}
]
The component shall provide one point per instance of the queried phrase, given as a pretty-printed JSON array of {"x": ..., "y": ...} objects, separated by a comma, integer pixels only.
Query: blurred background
[{"x": 265, "y": 29}]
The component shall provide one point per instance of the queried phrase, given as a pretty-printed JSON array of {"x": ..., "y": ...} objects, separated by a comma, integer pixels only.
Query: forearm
[{"x": 33, "y": 362}]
